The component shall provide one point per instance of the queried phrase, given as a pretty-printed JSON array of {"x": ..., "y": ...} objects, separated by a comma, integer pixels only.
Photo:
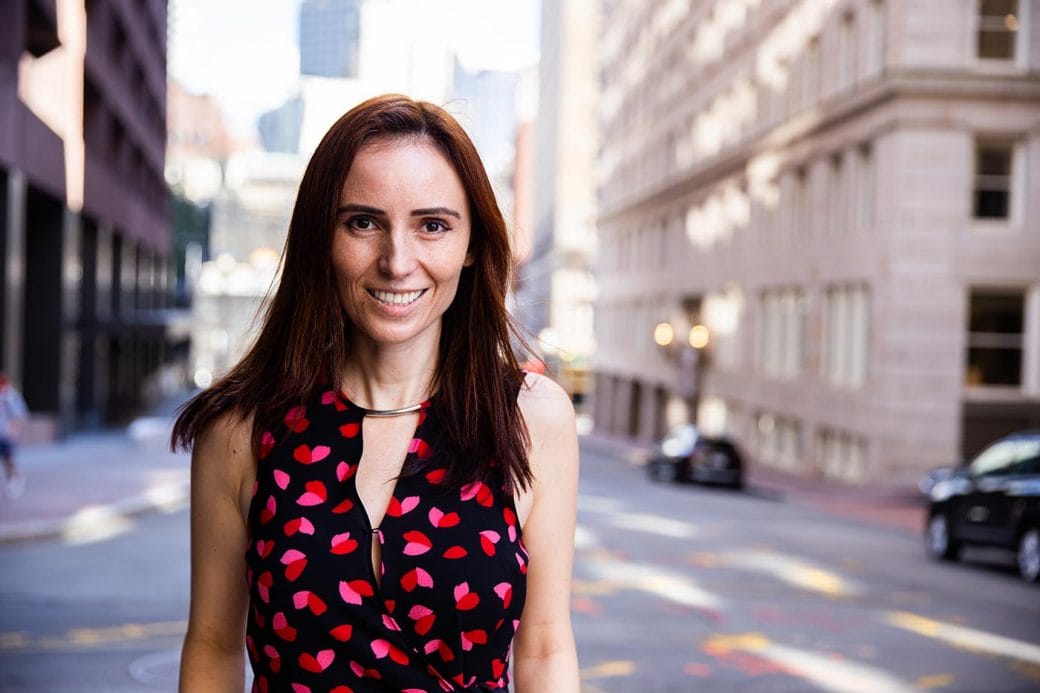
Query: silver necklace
[{"x": 377, "y": 413}]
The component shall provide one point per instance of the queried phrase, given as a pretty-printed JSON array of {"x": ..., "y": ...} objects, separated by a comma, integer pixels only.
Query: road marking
[
  {"x": 609, "y": 669},
  {"x": 794, "y": 572},
  {"x": 934, "y": 681},
  {"x": 654, "y": 524},
  {"x": 92, "y": 637},
  {"x": 826, "y": 672},
  {"x": 967, "y": 638}
]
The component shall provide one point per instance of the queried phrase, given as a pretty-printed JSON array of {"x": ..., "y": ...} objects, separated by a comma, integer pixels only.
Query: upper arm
[
  {"x": 222, "y": 471},
  {"x": 548, "y": 531}
]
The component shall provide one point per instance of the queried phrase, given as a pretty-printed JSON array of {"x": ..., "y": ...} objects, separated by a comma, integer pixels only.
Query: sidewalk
[
  {"x": 93, "y": 482},
  {"x": 893, "y": 507}
]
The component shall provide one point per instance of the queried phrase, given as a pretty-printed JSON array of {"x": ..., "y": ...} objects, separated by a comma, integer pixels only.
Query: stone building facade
[
  {"x": 83, "y": 205},
  {"x": 845, "y": 193}
]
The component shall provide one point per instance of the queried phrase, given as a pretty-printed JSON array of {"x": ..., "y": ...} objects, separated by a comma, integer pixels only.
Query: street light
[
  {"x": 699, "y": 336},
  {"x": 664, "y": 333}
]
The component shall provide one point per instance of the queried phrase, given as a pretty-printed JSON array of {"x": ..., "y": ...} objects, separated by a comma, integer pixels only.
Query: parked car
[
  {"x": 993, "y": 501},
  {"x": 686, "y": 455}
]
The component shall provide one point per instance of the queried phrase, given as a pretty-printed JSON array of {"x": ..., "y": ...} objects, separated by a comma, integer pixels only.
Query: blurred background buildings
[
  {"x": 844, "y": 192},
  {"x": 809, "y": 224},
  {"x": 83, "y": 208}
]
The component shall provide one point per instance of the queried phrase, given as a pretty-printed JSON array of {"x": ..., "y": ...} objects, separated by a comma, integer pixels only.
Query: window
[
  {"x": 875, "y": 40},
  {"x": 836, "y": 211},
  {"x": 865, "y": 189},
  {"x": 995, "y": 338},
  {"x": 993, "y": 169},
  {"x": 781, "y": 332},
  {"x": 845, "y": 335},
  {"x": 811, "y": 78},
  {"x": 998, "y": 29},
  {"x": 847, "y": 56},
  {"x": 841, "y": 455},
  {"x": 1011, "y": 456}
]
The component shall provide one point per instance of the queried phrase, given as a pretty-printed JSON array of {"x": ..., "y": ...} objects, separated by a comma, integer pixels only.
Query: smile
[{"x": 396, "y": 298}]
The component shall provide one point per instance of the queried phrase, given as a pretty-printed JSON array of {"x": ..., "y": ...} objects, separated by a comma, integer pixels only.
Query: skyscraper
[{"x": 329, "y": 35}]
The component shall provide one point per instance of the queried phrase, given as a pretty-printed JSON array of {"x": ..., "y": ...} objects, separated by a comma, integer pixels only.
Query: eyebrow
[{"x": 376, "y": 212}]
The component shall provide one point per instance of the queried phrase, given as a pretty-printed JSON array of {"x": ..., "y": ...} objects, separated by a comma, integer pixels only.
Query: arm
[
  {"x": 545, "y": 657},
  {"x": 222, "y": 470}
]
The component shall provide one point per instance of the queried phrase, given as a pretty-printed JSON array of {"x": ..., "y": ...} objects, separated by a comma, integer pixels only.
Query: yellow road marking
[
  {"x": 934, "y": 681},
  {"x": 966, "y": 638},
  {"x": 92, "y": 637},
  {"x": 610, "y": 668}
]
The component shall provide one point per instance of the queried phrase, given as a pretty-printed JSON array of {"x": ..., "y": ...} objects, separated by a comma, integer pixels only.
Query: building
[
  {"x": 844, "y": 193},
  {"x": 329, "y": 37},
  {"x": 557, "y": 291},
  {"x": 83, "y": 206}
]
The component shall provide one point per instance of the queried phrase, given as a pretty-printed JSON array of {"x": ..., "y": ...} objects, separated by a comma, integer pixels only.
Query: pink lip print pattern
[{"x": 451, "y": 587}]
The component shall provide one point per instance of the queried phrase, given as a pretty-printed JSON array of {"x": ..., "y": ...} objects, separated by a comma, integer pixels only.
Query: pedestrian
[
  {"x": 13, "y": 415},
  {"x": 361, "y": 479}
]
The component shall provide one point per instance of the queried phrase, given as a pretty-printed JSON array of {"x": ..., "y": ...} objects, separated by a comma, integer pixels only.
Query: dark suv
[{"x": 993, "y": 501}]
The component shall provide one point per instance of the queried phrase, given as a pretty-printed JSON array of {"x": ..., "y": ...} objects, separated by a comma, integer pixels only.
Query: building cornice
[{"x": 895, "y": 85}]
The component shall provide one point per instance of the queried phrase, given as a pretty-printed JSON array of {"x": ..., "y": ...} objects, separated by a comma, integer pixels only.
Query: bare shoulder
[
  {"x": 223, "y": 454},
  {"x": 546, "y": 407}
]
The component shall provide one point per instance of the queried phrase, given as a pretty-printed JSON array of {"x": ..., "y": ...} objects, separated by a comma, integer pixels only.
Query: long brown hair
[{"x": 302, "y": 346}]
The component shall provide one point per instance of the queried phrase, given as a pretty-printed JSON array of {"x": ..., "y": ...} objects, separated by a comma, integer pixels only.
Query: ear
[{"x": 470, "y": 259}]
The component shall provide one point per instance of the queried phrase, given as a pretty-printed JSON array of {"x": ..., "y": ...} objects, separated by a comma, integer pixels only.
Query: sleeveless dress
[{"x": 453, "y": 567}]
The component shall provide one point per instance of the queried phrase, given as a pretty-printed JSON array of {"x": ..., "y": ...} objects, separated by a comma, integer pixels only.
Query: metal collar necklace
[{"x": 392, "y": 412}]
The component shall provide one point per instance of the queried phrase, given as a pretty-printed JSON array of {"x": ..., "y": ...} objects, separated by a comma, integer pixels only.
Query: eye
[
  {"x": 361, "y": 223},
  {"x": 435, "y": 226}
]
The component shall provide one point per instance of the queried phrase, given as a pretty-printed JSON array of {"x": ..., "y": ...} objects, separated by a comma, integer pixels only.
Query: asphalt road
[{"x": 677, "y": 588}]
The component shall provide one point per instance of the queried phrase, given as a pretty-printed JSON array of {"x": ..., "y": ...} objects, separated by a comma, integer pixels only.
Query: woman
[{"x": 361, "y": 479}]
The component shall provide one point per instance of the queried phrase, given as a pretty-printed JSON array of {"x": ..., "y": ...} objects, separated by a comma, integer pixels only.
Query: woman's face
[{"x": 401, "y": 240}]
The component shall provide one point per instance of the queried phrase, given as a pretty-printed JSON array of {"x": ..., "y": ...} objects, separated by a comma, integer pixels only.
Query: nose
[{"x": 397, "y": 255}]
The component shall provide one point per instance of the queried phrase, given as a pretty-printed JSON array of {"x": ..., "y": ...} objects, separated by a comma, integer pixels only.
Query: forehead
[{"x": 410, "y": 167}]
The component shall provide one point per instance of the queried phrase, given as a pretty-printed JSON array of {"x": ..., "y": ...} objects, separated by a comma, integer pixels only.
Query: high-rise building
[
  {"x": 843, "y": 192},
  {"x": 83, "y": 206},
  {"x": 556, "y": 289},
  {"x": 329, "y": 37}
]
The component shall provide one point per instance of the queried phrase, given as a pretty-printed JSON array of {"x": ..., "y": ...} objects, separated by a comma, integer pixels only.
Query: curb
[{"x": 94, "y": 521}]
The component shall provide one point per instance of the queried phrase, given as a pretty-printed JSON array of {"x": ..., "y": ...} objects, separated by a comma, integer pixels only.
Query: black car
[
  {"x": 993, "y": 501},
  {"x": 686, "y": 455}
]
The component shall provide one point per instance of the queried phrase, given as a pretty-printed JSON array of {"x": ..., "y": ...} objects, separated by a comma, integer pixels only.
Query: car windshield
[
  {"x": 679, "y": 441},
  {"x": 1001, "y": 457}
]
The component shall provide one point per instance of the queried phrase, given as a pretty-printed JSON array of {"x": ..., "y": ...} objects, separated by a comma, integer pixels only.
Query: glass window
[
  {"x": 993, "y": 162},
  {"x": 1006, "y": 457},
  {"x": 995, "y": 327},
  {"x": 998, "y": 29}
]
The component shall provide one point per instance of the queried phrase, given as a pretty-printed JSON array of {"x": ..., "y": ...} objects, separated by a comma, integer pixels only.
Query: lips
[{"x": 396, "y": 298}]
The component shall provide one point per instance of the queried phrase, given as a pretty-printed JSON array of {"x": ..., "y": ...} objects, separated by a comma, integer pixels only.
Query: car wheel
[
  {"x": 1029, "y": 555},
  {"x": 938, "y": 541}
]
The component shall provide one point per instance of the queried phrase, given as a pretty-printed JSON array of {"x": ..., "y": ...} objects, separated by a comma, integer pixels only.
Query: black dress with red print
[{"x": 443, "y": 614}]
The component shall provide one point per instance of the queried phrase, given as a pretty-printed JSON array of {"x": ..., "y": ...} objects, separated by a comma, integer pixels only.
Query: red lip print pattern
[
  {"x": 306, "y": 455},
  {"x": 342, "y": 544},
  {"x": 296, "y": 419},
  {"x": 315, "y": 494},
  {"x": 298, "y": 524},
  {"x": 447, "y": 606},
  {"x": 354, "y": 591},
  {"x": 317, "y": 662},
  {"x": 464, "y": 599}
]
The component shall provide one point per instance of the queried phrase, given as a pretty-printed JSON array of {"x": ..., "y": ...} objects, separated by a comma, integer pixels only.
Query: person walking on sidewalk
[
  {"x": 13, "y": 415},
  {"x": 361, "y": 478}
]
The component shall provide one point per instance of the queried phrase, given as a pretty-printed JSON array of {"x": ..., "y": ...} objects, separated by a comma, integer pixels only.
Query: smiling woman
[{"x": 370, "y": 465}]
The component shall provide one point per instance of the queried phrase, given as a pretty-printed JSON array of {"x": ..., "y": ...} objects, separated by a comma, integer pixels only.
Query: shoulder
[
  {"x": 544, "y": 405},
  {"x": 223, "y": 452}
]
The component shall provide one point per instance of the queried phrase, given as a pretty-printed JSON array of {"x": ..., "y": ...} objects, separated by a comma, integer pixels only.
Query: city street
[{"x": 677, "y": 588}]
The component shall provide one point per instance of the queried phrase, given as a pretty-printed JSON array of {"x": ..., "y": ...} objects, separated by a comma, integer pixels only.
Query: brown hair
[{"x": 303, "y": 346}]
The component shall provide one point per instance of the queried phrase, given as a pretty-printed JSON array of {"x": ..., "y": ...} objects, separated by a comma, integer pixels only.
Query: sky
[{"x": 243, "y": 52}]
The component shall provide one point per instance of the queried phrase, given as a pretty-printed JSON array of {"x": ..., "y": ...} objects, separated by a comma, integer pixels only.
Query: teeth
[{"x": 397, "y": 299}]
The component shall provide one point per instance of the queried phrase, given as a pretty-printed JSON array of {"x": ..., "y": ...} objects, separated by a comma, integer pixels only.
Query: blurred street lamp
[
  {"x": 699, "y": 336},
  {"x": 664, "y": 333}
]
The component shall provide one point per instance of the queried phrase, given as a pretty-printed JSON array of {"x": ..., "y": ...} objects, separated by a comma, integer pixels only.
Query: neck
[{"x": 388, "y": 377}]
